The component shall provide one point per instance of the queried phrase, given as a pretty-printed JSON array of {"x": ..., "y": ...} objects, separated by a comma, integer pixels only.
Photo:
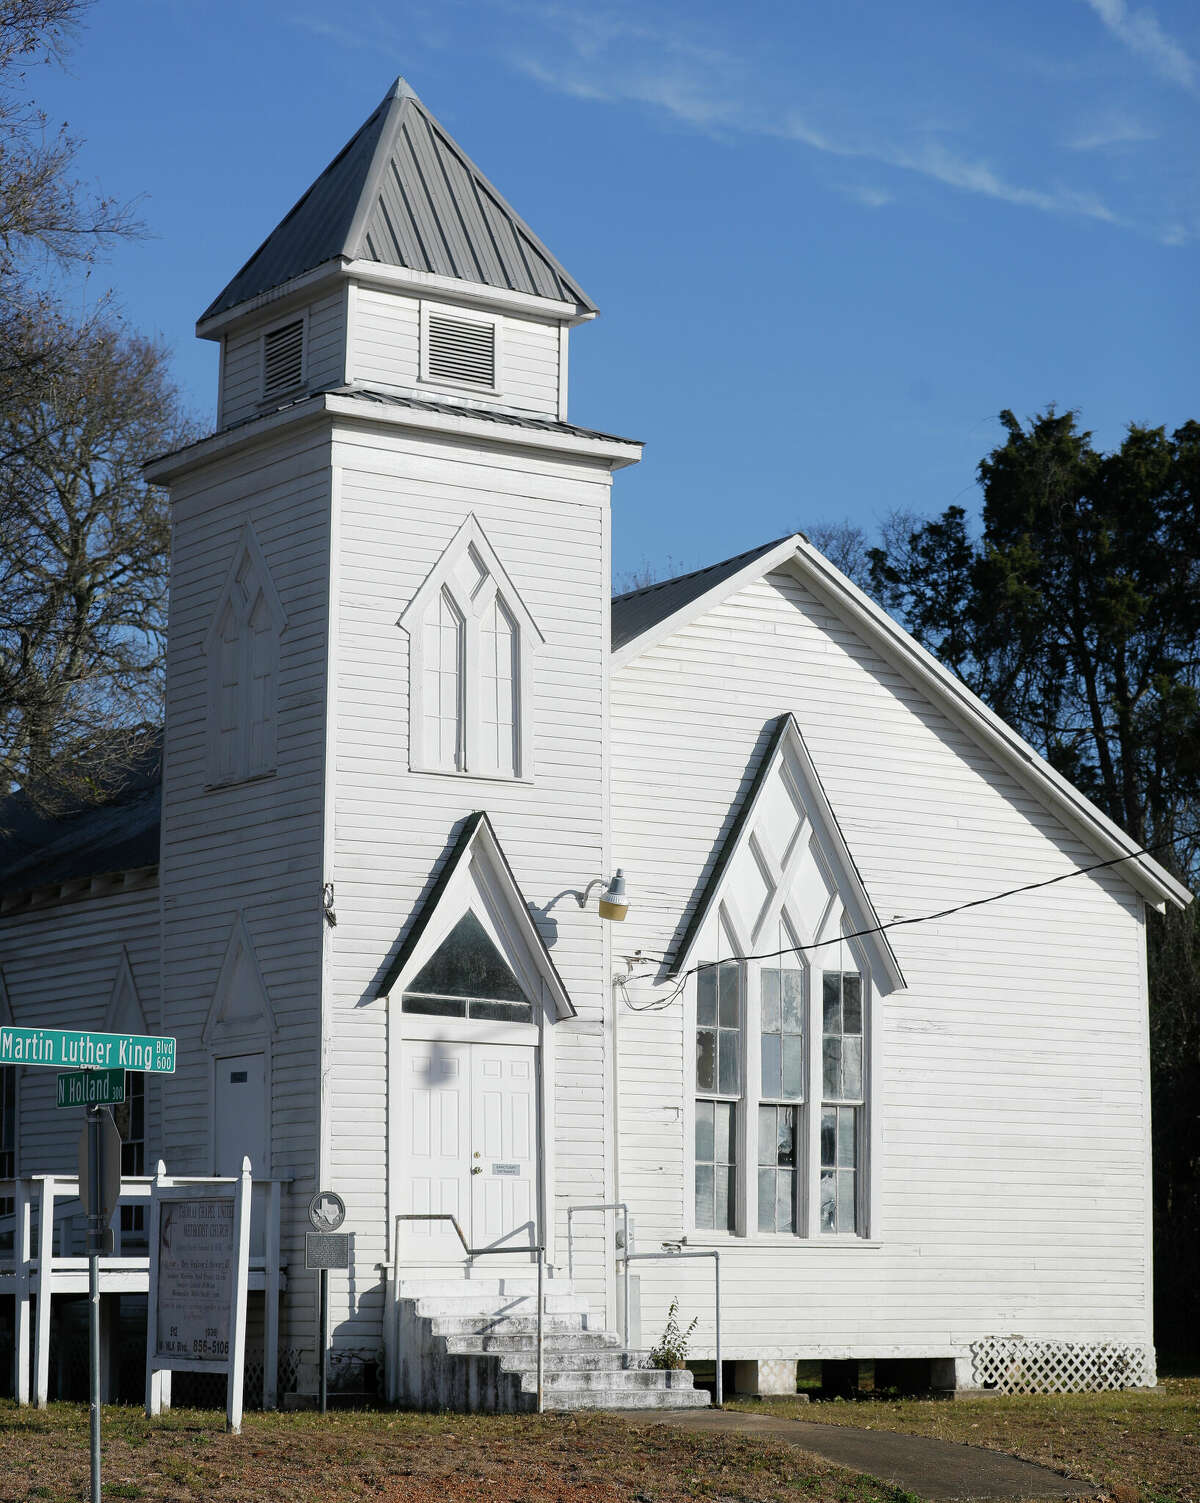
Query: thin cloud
[
  {"x": 1140, "y": 31},
  {"x": 1111, "y": 130},
  {"x": 870, "y": 198}
]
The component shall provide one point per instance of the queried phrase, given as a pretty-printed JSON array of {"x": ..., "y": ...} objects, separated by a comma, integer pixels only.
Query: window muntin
[
  {"x": 781, "y": 1088},
  {"x": 467, "y": 977},
  {"x": 130, "y": 1119},
  {"x": 842, "y": 1100},
  {"x": 716, "y": 1168},
  {"x": 444, "y": 650},
  {"x": 781, "y": 1030},
  {"x": 498, "y": 668},
  {"x": 718, "y": 1074},
  {"x": 778, "y": 1157}
]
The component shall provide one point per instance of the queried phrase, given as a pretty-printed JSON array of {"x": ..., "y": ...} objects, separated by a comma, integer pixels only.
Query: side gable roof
[
  {"x": 1020, "y": 760},
  {"x": 479, "y": 836},
  {"x": 402, "y": 192},
  {"x": 787, "y": 742}
]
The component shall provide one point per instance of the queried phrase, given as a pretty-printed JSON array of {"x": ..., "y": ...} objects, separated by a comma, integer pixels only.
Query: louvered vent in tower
[
  {"x": 460, "y": 351},
  {"x": 283, "y": 358}
]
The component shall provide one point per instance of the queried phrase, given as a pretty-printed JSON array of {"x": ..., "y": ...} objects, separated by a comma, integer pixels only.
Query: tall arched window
[
  {"x": 472, "y": 642},
  {"x": 243, "y": 658}
]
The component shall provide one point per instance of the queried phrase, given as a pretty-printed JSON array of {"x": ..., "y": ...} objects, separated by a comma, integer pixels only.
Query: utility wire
[{"x": 898, "y": 923}]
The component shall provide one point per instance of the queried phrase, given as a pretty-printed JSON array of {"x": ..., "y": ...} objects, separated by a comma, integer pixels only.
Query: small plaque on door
[{"x": 506, "y": 1168}]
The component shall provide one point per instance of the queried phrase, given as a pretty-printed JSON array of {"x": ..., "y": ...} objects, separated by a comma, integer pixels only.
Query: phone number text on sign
[{"x": 195, "y": 1278}]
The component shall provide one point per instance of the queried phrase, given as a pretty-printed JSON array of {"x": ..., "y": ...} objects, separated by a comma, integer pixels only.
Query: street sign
[
  {"x": 91, "y": 1088},
  {"x": 74, "y": 1049},
  {"x": 326, "y": 1211},
  {"x": 110, "y": 1169},
  {"x": 327, "y": 1250}
]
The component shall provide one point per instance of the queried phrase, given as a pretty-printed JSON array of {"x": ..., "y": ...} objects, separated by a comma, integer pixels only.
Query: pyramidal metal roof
[{"x": 403, "y": 192}]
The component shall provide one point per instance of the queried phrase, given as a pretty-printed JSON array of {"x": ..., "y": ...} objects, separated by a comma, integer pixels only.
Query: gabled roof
[
  {"x": 787, "y": 757},
  {"x": 685, "y": 599},
  {"x": 402, "y": 192},
  {"x": 477, "y": 838},
  {"x": 638, "y": 611}
]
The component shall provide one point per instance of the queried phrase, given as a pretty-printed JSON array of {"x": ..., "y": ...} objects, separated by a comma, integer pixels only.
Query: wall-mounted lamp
[{"x": 614, "y": 902}]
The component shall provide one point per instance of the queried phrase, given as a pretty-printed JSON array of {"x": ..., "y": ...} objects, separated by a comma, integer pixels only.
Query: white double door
[{"x": 470, "y": 1146}]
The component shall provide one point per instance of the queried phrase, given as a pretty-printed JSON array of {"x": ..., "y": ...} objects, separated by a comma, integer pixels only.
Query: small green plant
[{"x": 671, "y": 1351}]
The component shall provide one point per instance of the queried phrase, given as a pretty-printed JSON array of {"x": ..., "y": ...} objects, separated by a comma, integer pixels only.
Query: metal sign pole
[
  {"x": 323, "y": 1387},
  {"x": 95, "y": 1238}
]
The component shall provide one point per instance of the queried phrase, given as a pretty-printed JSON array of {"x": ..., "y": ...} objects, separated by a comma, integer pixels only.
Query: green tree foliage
[{"x": 1076, "y": 616}]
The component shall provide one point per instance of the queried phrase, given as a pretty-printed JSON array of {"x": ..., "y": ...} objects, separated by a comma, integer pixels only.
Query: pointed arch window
[
  {"x": 243, "y": 658},
  {"x": 467, "y": 977},
  {"x": 472, "y": 644}
]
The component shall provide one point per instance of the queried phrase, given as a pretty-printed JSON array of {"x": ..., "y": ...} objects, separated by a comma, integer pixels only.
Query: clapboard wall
[
  {"x": 249, "y": 851},
  {"x": 241, "y": 388},
  {"x": 400, "y": 498},
  {"x": 1012, "y": 1108},
  {"x": 60, "y": 963}
]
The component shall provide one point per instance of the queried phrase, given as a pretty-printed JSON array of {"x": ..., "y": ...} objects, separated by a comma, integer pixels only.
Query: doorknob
[{"x": 476, "y": 1168}]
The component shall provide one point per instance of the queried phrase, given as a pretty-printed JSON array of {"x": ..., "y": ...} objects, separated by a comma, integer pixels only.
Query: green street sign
[
  {"x": 72, "y": 1049},
  {"x": 91, "y": 1088}
]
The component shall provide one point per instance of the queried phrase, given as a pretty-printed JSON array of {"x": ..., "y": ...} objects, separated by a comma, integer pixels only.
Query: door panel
[
  {"x": 241, "y": 1115},
  {"x": 438, "y": 1120},
  {"x": 504, "y": 1136}
]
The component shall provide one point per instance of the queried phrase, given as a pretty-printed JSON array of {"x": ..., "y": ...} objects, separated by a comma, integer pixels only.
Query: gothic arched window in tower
[
  {"x": 243, "y": 669},
  {"x": 471, "y": 646}
]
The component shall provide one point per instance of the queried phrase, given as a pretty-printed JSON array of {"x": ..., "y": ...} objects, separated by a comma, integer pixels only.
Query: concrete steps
[{"x": 472, "y": 1345}]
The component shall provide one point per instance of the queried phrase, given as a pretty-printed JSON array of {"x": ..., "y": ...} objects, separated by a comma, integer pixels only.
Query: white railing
[
  {"x": 610, "y": 1205},
  {"x": 34, "y": 1277}
]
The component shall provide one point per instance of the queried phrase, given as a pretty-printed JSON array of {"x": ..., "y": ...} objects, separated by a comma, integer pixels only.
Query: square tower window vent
[
  {"x": 283, "y": 358},
  {"x": 460, "y": 351}
]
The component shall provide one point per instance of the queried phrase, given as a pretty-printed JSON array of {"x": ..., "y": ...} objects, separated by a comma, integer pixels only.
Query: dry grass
[
  {"x": 1137, "y": 1447},
  {"x": 408, "y": 1458}
]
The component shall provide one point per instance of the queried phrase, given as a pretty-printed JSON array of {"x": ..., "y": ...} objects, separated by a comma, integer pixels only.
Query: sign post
[
  {"x": 94, "y": 1060},
  {"x": 325, "y": 1248}
]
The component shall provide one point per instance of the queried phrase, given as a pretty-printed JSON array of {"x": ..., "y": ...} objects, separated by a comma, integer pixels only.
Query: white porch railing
[{"x": 54, "y": 1262}]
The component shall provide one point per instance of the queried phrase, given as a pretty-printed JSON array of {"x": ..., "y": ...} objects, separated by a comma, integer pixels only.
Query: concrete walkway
[{"x": 933, "y": 1469}]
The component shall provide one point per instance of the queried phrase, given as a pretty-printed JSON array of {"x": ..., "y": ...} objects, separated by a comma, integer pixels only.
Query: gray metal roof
[
  {"x": 402, "y": 192},
  {"x": 639, "y": 610}
]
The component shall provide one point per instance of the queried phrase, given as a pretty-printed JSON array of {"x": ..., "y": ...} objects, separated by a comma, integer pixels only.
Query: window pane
[
  {"x": 785, "y": 1138},
  {"x": 729, "y": 1065},
  {"x": 704, "y": 1197},
  {"x": 852, "y": 1068},
  {"x": 706, "y": 997},
  {"x": 828, "y": 1200},
  {"x": 723, "y": 1211},
  {"x": 706, "y": 1059},
  {"x": 723, "y": 1111},
  {"x": 434, "y": 1007},
  {"x": 793, "y": 1067},
  {"x": 847, "y": 1137},
  {"x": 501, "y": 1012},
  {"x": 847, "y": 1219},
  {"x": 727, "y": 995},
  {"x": 772, "y": 1081},
  {"x": 829, "y": 1137},
  {"x": 785, "y": 1201},
  {"x": 832, "y": 1067},
  {"x": 766, "y": 1200},
  {"x": 831, "y": 993},
  {"x": 793, "y": 1001},
  {"x": 769, "y": 982},
  {"x": 852, "y": 1002},
  {"x": 705, "y": 1138},
  {"x": 467, "y": 964},
  {"x": 766, "y": 1135}
]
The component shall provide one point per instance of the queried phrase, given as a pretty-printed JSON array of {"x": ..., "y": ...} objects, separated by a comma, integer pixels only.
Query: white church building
[{"x": 410, "y": 738}]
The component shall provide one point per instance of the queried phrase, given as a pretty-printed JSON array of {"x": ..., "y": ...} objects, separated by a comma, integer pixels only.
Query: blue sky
[{"x": 829, "y": 243}]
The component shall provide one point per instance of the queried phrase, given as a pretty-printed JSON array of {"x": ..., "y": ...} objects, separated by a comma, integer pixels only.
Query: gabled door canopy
[{"x": 477, "y": 877}]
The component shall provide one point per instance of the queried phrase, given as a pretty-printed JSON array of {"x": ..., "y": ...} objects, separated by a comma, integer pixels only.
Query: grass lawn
[
  {"x": 409, "y": 1458},
  {"x": 1136, "y": 1447}
]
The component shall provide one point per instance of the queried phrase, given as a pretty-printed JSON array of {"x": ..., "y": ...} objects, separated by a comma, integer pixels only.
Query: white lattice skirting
[{"x": 1014, "y": 1365}]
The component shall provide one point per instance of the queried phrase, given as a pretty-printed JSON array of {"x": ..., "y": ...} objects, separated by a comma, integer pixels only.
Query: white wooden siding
[
  {"x": 385, "y": 353},
  {"x": 401, "y": 500},
  {"x": 253, "y": 848},
  {"x": 1011, "y": 1156},
  {"x": 241, "y": 356},
  {"x": 60, "y": 964}
]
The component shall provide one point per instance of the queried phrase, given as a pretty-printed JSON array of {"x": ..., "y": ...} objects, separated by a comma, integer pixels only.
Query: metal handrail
[
  {"x": 715, "y": 1255},
  {"x": 483, "y": 1252},
  {"x": 611, "y": 1205}
]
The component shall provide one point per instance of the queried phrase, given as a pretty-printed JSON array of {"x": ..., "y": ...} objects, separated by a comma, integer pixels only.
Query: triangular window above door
[{"x": 468, "y": 977}]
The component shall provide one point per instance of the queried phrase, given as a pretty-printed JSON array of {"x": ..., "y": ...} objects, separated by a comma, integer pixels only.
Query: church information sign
[
  {"x": 75, "y": 1049},
  {"x": 91, "y": 1088},
  {"x": 196, "y": 1258}
]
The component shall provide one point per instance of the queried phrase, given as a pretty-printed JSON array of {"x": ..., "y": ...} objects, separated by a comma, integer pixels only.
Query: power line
[{"x": 898, "y": 923}]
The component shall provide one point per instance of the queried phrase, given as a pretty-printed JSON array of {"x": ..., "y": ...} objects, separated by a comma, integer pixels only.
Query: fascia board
[
  {"x": 305, "y": 284},
  {"x": 165, "y": 468},
  {"x": 473, "y": 294},
  {"x": 755, "y": 569},
  {"x": 984, "y": 726}
]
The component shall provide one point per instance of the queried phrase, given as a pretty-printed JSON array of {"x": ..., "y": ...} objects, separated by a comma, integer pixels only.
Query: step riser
[
  {"x": 591, "y": 1398},
  {"x": 505, "y": 1325},
  {"x": 499, "y": 1306},
  {"x": 477, "y": 1288},
  {"x": 632, "y": 1379},
  {"x": 487, "y": 1346}
]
